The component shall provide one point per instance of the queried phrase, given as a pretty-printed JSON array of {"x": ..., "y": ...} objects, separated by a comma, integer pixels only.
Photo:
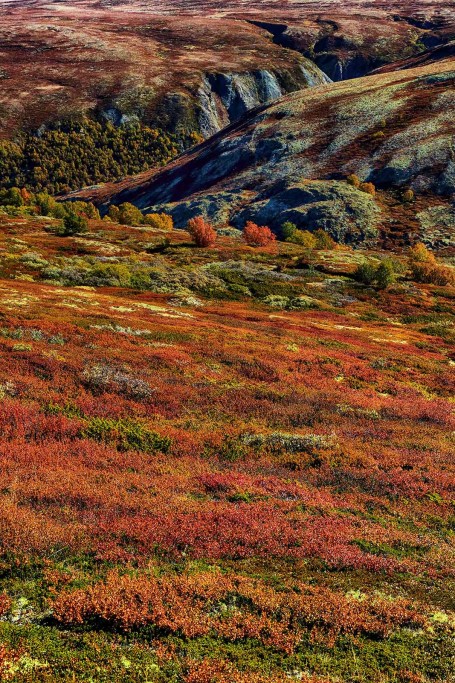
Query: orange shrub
[
  {"x": 257, "y": 236},
  {"x": 202, "y": 232},
  {"x": 190, "y": 605},
  {"x": 369, "y": 188},
  {"x": 433, "y": 274},
  {"x": 8, "y": 658},
  {"x": 426, "y": 269},
  {"x": 408, "y": 196},
  {"x": 420, "y": 254},
  {"x": 353, "y": 180}
]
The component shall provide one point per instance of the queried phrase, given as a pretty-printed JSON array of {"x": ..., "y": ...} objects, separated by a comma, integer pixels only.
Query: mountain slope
[
  {"x": 435, "y": 54},
  {"x": 63, "y": 59},
  {"x": 288, "y": 161},
  {"x": 193, "y": 66}
]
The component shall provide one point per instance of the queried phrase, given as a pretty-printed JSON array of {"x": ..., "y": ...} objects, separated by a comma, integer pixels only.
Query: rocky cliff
[{"x": 224, "y": 98}]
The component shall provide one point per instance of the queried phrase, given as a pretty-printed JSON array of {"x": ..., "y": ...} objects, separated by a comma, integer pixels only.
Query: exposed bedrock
[
  {"x": 349, "y": 215},
  {"x": 225, "y": 97},
  {"x": 220, "y": 98}
]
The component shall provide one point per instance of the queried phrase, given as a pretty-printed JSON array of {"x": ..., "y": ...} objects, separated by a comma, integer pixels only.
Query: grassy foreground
[{"x": 221, "y": 464}]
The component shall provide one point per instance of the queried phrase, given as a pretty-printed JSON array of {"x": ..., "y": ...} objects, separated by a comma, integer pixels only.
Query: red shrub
[
  {"x": 190, "y": 605},
  {"x": 257, "y": 236},
  {"x": 202, "y": 232}
]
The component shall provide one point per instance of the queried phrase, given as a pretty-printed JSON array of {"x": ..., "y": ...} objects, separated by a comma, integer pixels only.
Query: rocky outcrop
[
  {"x": 438, "y": 225},
  {"x": 349, "y": 215},
  {"x": 225, "y": 97}
]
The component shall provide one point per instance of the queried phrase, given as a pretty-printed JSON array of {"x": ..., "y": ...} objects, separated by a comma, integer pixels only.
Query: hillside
[
  {"x": 192, "y": 75},
  {"x": 194, "y": 67},
  {"x": 290, "y": 161},
  {"x": 81, "y": 75},
  {"x": 227, "y": 341},
  {"x": 219, "y": 464}
]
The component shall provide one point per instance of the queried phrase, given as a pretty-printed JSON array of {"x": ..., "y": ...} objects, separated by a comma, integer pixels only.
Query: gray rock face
[
  {"x": 224, "y": 98},
  {"x": 438, "y": 225},
  {"x": 342, "y": 69},
  {"x": 220, "y": 99},
  {"x": 215, "y": 207},
  {"x": 447, "y": 179}
]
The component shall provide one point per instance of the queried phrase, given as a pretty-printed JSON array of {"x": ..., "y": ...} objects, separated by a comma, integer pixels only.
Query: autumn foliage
[
  {"x": 426, "y": 269},
  {"x": 234, "y": 607},
  {"x": 202, "y": 232},
  {"x": 252, "y": 487},
  {"x": 257, "y": 236}
]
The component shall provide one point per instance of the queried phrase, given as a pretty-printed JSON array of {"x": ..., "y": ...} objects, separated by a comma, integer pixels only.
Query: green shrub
[
  {"x": 365, "y": 273},
  {"x": 73, "y": 224},
  {"x": 130, "y": 214},
  {"x": 288, "y": 230},
  {"x": 386, "y": 274},
  {"x": 305, "y": 239},
  {"x": 381, "y": 275},
  {"x": 323, "y": 240},
  {"x": 85, "y": 209},
  {"x": 47, "y": 206},
  {"x": 11, "y": 197},
  {"x": 126, "y": 435},
  {"x": 114, "y": 214}
]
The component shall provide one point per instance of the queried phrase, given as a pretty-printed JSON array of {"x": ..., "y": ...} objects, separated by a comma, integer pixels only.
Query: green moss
[{"x": 399, "y": 551}]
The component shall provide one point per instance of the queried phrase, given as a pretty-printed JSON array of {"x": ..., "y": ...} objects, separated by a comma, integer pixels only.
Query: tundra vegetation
[
  {"x": 227, "y": 386},
  {"x": 222, "y": 459}
]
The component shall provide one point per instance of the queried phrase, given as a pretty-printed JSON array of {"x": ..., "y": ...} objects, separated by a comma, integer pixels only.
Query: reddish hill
[
  {"x": 141, "y": 60},
  {"x": 196, "y": 74}
]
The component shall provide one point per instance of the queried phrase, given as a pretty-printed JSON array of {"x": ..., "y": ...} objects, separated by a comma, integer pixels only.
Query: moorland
[{"x": 227, "y": 342}]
